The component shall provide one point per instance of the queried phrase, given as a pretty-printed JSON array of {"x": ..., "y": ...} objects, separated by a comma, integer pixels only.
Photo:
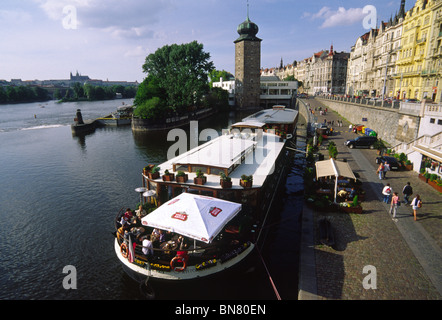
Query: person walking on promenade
[
  {"x": 387, "y": 191},
  {"x": 385, "y": 169},
  {"x": 394, "y": 204},
  {"x": 350, "y": 127},
  {"x": 415, "y": 204},
  {"x": 380, "y": 170},
  {"x": 407, "y": 191}
]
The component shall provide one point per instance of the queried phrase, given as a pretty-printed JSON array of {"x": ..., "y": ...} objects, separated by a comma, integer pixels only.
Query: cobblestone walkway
[{"x": 406, "y": 254}]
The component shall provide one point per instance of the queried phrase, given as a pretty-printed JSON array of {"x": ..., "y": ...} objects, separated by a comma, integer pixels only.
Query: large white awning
[{"x": 194, "y": 216}]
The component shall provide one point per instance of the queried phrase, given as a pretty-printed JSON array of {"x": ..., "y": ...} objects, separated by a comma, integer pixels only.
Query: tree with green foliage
[
  {"x": 148, "y": 89},
  {"x": 181, "y": 71},
  {"x": 217, "y": 98},
  {"x": 216, "y": 75},
  {"x": 150, "y": 109}
]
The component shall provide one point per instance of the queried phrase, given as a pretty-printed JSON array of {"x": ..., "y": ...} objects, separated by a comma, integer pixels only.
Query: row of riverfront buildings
[{"x": 399, "y": 59}]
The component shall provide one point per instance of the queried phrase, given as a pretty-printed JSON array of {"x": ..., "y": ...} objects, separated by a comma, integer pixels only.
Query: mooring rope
[{"x": 268, "y": 273}]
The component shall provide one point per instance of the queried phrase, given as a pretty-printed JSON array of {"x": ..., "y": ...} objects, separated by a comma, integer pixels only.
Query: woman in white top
[{"x": 416, "y": 203}]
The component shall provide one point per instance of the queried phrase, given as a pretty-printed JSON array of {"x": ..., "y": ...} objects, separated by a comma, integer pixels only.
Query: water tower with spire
[{"x": 247, "y": 65}]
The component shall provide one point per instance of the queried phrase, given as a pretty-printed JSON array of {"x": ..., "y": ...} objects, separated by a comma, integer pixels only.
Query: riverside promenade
[{"x": 405, "y": 255}]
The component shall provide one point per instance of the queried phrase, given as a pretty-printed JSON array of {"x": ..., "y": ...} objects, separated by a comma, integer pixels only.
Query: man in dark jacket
[{"x": 407, "y": 191}]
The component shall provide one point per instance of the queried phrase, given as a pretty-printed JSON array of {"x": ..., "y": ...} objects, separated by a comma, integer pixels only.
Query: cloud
[
  {"x": 138, "y": 51},
  {"x": 121, "y": 18},
  {"x": 15, "y": 17},
  {"x": 334, "y": 18}
]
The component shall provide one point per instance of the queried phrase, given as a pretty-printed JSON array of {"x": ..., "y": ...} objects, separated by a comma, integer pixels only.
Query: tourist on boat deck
[
  {"x": 124, "y": 221},
  {"x": 155, "y": 235},
  {"x": 161, "y": 236},
  {"x": 120, "y": 231},
  {"x": 130, "y": 234},
  {"x": 182, "y": 243},
  {"x": 128, "y": 214},
  {"x": 147, "y": 247},
  {"x": 140, "y": 212}
]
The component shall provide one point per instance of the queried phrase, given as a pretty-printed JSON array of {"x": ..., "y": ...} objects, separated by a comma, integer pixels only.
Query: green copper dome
[{"x": 247, "y": 31}]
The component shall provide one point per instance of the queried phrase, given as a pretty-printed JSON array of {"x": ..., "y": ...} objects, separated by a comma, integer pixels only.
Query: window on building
[
  {"x": 439, "y": 122},
  {"x": 432, "y": 120}
]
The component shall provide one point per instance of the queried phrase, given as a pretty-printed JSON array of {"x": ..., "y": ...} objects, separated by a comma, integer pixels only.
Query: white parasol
[{"x": 194, "y": 216}]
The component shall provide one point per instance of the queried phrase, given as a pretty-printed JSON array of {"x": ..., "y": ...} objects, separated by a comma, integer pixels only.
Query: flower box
[
  {"x": 201, "y": 180},
  {"x": 182, "y": 178},
  {"x": 245, "y": 183},
  {"x": 435, "y": 185},
  {"x": 153, "y": 176},
  {"x": 357, "y": 209},
  {"x": 169, "y": 177},
  {"x": 225, "y": 184},
  {"x": 423, "y": 178}
]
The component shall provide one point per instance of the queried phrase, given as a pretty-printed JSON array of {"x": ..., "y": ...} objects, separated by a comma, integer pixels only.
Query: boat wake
[{"x": 47, "y": 126}]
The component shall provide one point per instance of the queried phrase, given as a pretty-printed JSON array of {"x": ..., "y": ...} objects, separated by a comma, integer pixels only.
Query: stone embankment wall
[{"x": 391, "y": 125}]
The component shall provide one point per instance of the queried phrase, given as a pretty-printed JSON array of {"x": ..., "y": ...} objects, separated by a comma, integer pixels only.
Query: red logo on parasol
[
  {"x": 214, "y": 211},
  {"x": 180, "y": 216}
]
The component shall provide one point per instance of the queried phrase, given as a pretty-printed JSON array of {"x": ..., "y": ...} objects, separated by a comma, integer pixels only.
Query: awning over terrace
[{"x": 332, "y": 168}]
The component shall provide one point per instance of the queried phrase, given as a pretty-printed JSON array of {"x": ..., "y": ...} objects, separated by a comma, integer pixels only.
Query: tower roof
[{"x": 247, "y": 30}]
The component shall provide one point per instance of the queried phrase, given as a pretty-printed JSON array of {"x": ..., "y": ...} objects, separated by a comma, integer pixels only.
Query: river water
[{"x": 59, "y": 195}]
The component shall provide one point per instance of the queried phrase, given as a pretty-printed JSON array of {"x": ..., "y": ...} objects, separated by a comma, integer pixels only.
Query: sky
[{"x": 110, "y": 39}]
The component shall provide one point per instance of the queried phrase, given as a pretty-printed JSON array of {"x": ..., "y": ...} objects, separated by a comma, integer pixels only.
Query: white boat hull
[{"x": 140, "y": 272}]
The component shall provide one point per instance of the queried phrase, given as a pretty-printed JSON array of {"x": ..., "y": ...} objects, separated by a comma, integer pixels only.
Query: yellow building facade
[
  {"x": 432, "y": 73},
  {"x": 418, "y": 67}
]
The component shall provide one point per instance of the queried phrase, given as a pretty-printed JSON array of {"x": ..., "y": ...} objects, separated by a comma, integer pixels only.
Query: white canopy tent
[
  {"x": 332, "y": 168},
  {"x": 194, "y": 216}
]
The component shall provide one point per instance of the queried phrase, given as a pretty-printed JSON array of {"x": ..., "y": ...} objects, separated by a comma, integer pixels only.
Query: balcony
[
  {"x": 428, "y": 72},
  {"x": 418, "y": 57},
  {"x": 437, "y": 52}
]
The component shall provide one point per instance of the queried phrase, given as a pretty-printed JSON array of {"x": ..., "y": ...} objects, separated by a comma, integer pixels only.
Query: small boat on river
[
  {"x": 211, "y": 202},
  {"x": 121, "y": 117}
]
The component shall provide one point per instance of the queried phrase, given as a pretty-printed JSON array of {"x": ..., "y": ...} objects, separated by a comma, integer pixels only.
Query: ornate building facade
[
  {"x": 432, "y": 73},
  {"x": 401, "y": 58},
  {"x": 324, "y": 72},
  {"x": 410, "y": 64},
  {"x": 372, "y": 63}
]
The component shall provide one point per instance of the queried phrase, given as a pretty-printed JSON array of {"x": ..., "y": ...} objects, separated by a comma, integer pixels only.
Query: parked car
[
  {"x": 392, "y": 162},
  {"x": 361, "y": 141},
  {"x": 412, "y": 100}
]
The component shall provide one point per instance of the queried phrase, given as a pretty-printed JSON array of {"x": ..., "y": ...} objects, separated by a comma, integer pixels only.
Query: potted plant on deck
[
  {"x": 167, "y": 176},
  {"x": 147, "y": 169},
  {"x": 154, "y": 173},
  {"x": 181, "y": 177},
  {"x": 246, "y": 181},
  {"x": 225, "y": 181},
  {"x": 200, "y": 178}
]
